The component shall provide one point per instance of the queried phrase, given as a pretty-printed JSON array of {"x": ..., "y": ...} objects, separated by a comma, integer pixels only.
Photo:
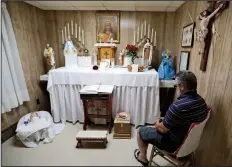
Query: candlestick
[
  {"x": 148, "y": 34},
  {"x": 62, "y": 36},
  {"x": 79, "y": 35},
  {"x": 68, "y": 30},
  {"x": 76, "y": 30},
  {"x": 142, "y": 31},
  {"x": 83, "y": 39},
  {"x": 138, "y": 34},
  {"x": 134, "y": 38},
  {"x": 152, "y": 35},
  {"x": 65, "y": 33},
  {"x": 72, "y": 27},
  {"x": 155, "y": 39},
  {"x": 145, "y": 28}
]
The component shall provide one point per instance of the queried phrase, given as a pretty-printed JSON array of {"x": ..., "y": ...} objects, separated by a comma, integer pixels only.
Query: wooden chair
[{"x": 184, "y": 154}]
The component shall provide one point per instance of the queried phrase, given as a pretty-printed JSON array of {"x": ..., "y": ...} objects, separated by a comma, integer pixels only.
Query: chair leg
[{"x": 151, "y": 156}]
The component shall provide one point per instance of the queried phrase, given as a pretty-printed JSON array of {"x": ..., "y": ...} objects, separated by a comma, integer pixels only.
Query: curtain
[{"x": 14, "y": 89}]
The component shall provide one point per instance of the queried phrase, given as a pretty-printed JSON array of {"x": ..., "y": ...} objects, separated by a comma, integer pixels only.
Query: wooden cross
[
  {"x": 214, "y": 8},
  {"x": 106, "y": 54}
]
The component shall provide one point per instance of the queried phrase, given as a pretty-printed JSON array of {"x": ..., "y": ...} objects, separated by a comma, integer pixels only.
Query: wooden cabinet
[{"x": 122, "y": 127}]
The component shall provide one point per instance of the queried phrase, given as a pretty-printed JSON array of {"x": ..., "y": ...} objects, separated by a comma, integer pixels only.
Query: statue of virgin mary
[{"x": 70, "y": 54}]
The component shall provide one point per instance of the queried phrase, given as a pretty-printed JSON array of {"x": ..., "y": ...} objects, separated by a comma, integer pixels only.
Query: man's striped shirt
[{"x": 189, "y": 108}]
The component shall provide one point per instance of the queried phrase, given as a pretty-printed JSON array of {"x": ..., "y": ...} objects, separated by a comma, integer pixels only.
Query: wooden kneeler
[{"x": 91, "y": 136}]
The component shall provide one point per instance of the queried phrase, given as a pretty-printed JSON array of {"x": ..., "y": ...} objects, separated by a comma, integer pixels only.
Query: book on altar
[{"x": 97, "y": 89}]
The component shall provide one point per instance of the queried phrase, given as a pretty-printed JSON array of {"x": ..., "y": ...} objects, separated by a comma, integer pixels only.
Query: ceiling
[{"x": 169, "y": 6}]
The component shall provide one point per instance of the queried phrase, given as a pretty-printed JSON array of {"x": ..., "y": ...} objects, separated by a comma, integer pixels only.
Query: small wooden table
[
  {"x": 92, "y": 136},
  {"x": 103, "y": 97}
]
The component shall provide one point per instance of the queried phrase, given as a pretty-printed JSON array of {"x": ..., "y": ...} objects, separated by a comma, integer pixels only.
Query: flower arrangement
[{"x": 131, "y": 52}]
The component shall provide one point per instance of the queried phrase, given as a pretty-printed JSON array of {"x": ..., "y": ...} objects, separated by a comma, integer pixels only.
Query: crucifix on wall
[{"x": 204, "y": 34}]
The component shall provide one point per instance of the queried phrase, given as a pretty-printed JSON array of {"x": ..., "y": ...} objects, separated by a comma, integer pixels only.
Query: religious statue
[
  {"x": 49, "y": 55},
  {"x": 203, "y": 31},
  {"x": 166, "y": 69},
  {"x": 147, "y": 53},
  {"x": 70, "y": 53},
  {"x": 107, "y": 33},
  {"x": 121, "y": 56},
  {"x": 69, "y": 47}
]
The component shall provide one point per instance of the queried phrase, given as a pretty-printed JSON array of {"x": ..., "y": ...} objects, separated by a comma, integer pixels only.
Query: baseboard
[{"x": 8, "y": 133}]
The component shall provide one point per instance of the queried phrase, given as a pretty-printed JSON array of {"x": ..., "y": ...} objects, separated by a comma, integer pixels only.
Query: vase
[{"x": 127, "y": 61}]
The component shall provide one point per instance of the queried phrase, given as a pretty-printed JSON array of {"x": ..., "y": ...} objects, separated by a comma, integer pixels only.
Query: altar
[{"x": 134, "y": 92}]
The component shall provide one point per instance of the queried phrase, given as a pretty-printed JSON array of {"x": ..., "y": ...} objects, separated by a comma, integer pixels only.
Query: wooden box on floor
[{"x": 122, "y": 128}]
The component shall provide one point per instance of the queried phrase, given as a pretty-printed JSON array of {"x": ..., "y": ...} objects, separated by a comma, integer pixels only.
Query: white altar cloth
[{"x": 134, "y": 92}]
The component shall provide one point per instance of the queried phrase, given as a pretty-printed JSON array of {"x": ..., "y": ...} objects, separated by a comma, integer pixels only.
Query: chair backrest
[{"x": 192, "y": 138}]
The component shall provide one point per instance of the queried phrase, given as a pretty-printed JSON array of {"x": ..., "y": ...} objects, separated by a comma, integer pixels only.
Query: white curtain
[{"x": 14, "y": 89}]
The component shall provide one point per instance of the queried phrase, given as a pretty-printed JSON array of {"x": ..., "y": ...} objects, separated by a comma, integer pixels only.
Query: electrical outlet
[{"x": 37, "y": 101}]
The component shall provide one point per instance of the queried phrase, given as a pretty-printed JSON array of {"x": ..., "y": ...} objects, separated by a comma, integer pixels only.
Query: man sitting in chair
[{"x": 168, "y": 133}]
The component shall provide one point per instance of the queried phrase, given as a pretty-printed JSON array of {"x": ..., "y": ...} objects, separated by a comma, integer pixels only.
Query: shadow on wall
[{"x": 214, "y": 140}]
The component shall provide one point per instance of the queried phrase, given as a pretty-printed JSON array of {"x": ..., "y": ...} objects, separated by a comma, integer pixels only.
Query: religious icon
[
  {"x": 108, "y": 27},
  {"x": 49, "y": 55}
]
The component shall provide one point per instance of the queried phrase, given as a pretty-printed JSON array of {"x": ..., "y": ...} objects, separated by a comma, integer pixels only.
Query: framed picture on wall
[
  {"x": 184, "y": 60},
  {"x": 108, "y": 27},
  {"x": 188, "y": 35}
]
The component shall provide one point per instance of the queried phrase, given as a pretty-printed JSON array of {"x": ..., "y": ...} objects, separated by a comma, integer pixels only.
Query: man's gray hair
[{"x": 187, "y": 79}]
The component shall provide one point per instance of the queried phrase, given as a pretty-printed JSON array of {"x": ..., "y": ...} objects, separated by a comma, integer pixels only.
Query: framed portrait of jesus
[{"x": 108, "y": 27}]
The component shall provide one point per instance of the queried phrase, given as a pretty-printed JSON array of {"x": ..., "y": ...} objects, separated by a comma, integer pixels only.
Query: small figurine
[
  {"x": 121, "y": 55},
  {"x": 49, "y": 55}
]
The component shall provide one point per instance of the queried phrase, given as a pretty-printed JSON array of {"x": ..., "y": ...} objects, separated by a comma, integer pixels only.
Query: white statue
[
  {"x": 147, "y": 53},
  {"x": 70, "y": 53},
  {"x": 203, "y": 31},
  {"x": 121, "y": 54},
  {"x": 49, "y": 55}
]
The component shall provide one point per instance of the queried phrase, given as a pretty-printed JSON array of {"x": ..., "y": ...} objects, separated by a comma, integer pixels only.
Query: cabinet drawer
[{"x": 122, "y": 128}]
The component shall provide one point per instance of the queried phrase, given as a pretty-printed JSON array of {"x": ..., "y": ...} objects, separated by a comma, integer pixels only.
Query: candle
[
  {"x": 72, "y": 27},
  {"x": 65, "y": 33},
  {"x": 142, "y": 31},
  {"x": 83, "y": 39},
  {"x": 138, "y": 34},
  {"x": 148, "y": 34},
  {"x": 76, "y": 30},
  {"x": 145, "y": 28},
  {"x": 68, "y": 30},
  {"x": 79, "y": 35},
  {"x": 134, "y": 38},
  {"x": 62, "y": 36},
  {"x": 155, "y": 39},
  {"x": 152, "y": 35}
]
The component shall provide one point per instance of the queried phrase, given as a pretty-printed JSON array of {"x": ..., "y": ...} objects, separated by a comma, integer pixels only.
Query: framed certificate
[{"x": 184, "y": 60}]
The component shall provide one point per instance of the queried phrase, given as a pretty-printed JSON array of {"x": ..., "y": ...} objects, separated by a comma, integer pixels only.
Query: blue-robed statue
[{"x": 166, "y": 69}]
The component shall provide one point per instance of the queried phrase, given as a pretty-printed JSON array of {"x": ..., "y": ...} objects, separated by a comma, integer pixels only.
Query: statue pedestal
[
  {"x": 71, "y": 61},
  {"x": 85, "y": 61}
]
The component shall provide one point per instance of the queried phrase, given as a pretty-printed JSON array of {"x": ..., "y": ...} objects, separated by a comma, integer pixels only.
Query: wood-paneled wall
[
  {"x": 162, "y": 23},
  {"x": 215, "y": 84},
  {"x": 30, "y": 32}
]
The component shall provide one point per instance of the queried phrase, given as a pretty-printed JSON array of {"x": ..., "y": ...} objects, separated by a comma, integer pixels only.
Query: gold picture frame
[{"x": 107, "y": 27}]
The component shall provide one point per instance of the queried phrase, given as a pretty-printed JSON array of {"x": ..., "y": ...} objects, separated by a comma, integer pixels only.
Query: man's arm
[{"x": 160, "y": 127}]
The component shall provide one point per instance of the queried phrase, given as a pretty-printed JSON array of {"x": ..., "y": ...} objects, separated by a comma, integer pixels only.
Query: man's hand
[{"x": 160, "y": 127}]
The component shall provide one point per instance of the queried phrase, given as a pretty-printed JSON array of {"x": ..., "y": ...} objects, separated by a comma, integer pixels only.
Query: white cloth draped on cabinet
[
  {"x": 140, "y": 102},
  {"x": 136, "y": 93},
  {"x": 14, "y": 89}
]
